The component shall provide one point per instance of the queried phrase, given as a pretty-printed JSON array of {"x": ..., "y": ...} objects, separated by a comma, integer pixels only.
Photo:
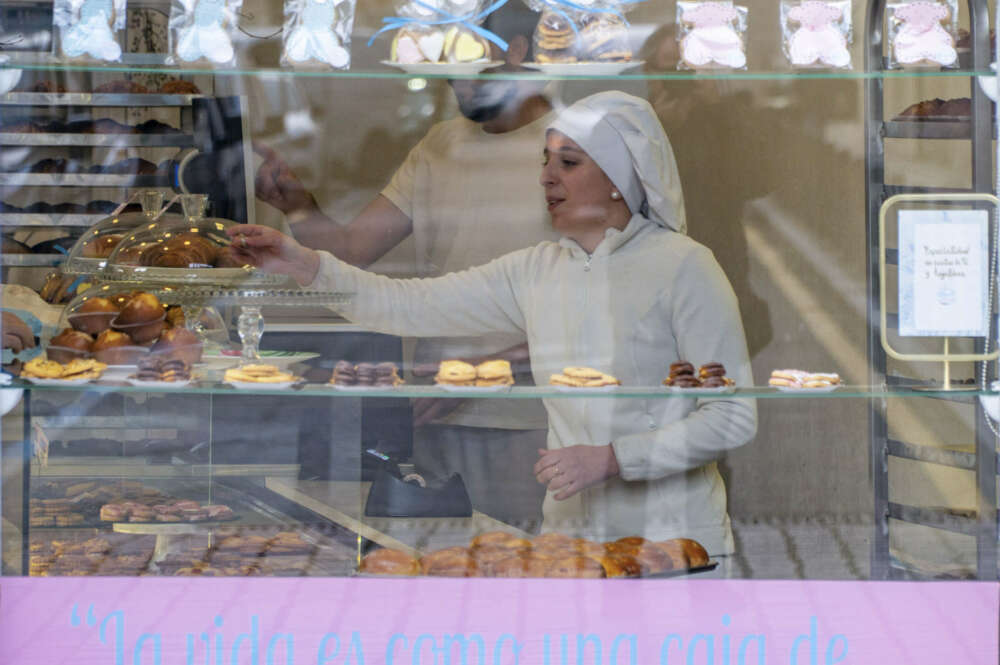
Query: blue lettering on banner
[
  {"x": 390, "y": 649},
  {"x": 141, "y": 643},
  {"x": 252, "y": 638},
  {"x": 515, "y": 649},
  {"x": 322, "y": 658},
  {"x": 632, "y": 642},
  {"x": 289, "y": 648},
  {"x": 463, "y": 643},
  {"x": 725, "y": 647}
]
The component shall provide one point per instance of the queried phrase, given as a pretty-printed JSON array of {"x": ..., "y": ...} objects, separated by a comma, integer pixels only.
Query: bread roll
[
  {"x": 486, "y": 557},
  {"x": 449, "y": 562},
  {"x": 116, "y": 348},
  {"x": 389, "y": 562},
  {"x": 142, "y": 307},
  {"x": 589, "y": 548},
  {"x": 653, "y": 560},
  {"x": 620, "y": 565},
  {"x": 178, "y": 344},
  {"x": 492, "y": 538},
  {"x": 684, "y": 553},
  {"x": 520, "y": 565},
  {"x": 69, "y": 344},
  {"x": 575, "y": 566},
  {"x": 94, "y": 316},
  {"x": 551, "y": 540},
  {"x": 142, "y": 318}
]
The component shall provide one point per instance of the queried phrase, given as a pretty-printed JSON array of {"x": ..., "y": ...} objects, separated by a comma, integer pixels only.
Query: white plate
[
  {"x": 584, "y": 389},
  {"x": 280, "y": 359},
  {"x": 472, "y": 389},
  {"x": 251, "y": 385},
  {"x": 139, "y": 383},
  {"x": 57, "y": 382},
  {"x": 444, "y": 68},
  {"x": 718, "y": 390},
  {"x": 361, "y": 388},
  {"x": 790, "y": 389},
  {"x": 584, "y": 68}
]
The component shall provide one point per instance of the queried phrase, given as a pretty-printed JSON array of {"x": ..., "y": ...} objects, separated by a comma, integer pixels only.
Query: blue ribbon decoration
[{"x": 467, "y": 21}]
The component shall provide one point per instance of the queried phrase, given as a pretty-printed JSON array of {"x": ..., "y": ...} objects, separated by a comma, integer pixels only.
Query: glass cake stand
[{"x": 250, "y": 324}]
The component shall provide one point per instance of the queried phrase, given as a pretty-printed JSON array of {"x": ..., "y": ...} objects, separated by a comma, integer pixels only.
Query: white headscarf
[{"x": 622, "y": 134}]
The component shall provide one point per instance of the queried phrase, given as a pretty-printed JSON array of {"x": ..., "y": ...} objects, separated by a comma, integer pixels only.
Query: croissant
[
  {"x": 449, "y": 562},
  {"x": 389, "y": 562}
]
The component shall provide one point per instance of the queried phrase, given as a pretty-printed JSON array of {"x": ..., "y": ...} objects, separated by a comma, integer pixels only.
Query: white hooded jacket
[{"x": 647, "y": 297}]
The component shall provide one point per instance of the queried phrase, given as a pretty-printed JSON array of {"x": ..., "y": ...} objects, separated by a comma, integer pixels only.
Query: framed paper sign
[{"x": 944, "y": 273}]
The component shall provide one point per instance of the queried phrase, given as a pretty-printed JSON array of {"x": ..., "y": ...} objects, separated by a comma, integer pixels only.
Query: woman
[{"x": 624, "y": 291}]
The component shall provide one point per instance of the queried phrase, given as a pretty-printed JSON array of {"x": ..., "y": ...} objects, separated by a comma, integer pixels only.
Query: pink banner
[{"x": 185, "y": 621}]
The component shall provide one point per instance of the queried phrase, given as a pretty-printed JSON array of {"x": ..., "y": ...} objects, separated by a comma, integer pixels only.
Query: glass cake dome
[
  {"x": 90, "y": 252},
  {"x": 195, "y": 250},
  {"x": 119, "y": 323}
]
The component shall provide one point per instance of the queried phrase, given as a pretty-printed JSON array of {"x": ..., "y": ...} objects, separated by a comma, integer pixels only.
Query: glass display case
[{"x": 581, "y": 409}]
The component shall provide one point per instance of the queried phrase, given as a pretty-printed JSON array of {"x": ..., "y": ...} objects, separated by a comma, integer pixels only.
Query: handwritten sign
[
  {"x": 336, "y": 621},
  {"x": 943, "y": 273}
]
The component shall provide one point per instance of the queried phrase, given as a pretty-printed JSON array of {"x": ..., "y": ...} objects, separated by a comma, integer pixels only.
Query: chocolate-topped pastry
[
  {"x": 175, "y": 370},
  {"x": 684, "y": 381},
  {"x": 712, "y": 369},
  {"x": 156, "y": 368},
  {"x": 366, "y": 374},
  {"x": 682, "y": 375},
  {"x": 386, "y": 374},
  {"x": 715, "y": 382},
  {"x": 682, "y": 369},
  {"x": 344, "y": 374}
]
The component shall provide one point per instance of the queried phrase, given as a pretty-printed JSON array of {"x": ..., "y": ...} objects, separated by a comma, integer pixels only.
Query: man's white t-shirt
[{"x": 472, "y": 197}]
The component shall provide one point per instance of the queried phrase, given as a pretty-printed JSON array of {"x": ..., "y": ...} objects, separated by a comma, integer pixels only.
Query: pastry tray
[
  {"x": 83, "y": 180},
  {"x": 49, "y": 219},
  {"x": 711, "y": 565},
  {"x": 102, "y": 99},
  {"x": 121, "y": 140}
]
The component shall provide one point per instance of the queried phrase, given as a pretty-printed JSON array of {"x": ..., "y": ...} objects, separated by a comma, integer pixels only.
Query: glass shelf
[
  {"x": 208, "y": 387},
  {"x": 154, "y": 65}
]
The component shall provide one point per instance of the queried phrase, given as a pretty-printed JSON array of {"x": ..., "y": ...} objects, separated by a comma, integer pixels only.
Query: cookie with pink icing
[
  {"x": 921, "y": 37},
  {"x": 712, "y": 38},
  {"x": 818, "y": 39}
]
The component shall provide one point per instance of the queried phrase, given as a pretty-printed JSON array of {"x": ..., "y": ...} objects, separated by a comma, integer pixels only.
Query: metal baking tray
[
  {"x": 711, "y": 565},
  {"x": 98, "y": 140},
  {"x": 94, "y": 99},
  {"x": 82, "y": 180},
  {"x": 48, "y": 220},
  {"x": 31, "y": 260}
]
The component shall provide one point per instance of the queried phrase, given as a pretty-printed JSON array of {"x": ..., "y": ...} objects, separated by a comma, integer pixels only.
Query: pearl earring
[{"x": 616, "y": 196}]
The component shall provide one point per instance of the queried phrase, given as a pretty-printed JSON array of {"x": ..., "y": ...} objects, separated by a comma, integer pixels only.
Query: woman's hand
[
  {"x": 273, "y": 251},
  {"x": 567, "y": 471}
]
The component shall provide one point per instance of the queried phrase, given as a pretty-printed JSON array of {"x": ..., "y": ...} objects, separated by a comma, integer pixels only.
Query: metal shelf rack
[{"x": 980, "y": 456}]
